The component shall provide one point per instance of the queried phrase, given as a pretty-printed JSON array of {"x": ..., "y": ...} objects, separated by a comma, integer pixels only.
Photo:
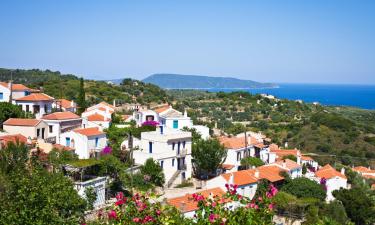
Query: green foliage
[
  {"x": 153, "y": 171},
  {"x": 332, "y": 120},
  {"x": 90, "y": 197},
  {"x": 81, "y": 101},
  {"x": 335, "y": 211},
  {"x": 304, "y": 169},
  {"x": 185, "y": 183},
  {"x": 8, "y": 110},
  {"x": 248, "y": 162},
  {"x": 304, "y": 187},
  {"x": 359, "y": 206},
  {"x": 208, "y": 156},
  {"x": 195, "y": 135},
  {"x": 291, "y": 157}
]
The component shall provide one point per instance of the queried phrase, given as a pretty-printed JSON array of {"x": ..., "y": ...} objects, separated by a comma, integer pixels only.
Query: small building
[
  {"x": 65, "y": 105},
  {"x": 87, "y": 142},
  {"x": 38, "y": 104},
  {"x": 365, "y": 172},
  {"x": 173, "y": 119},
  {"x": 171, "y": 148},
  {"x": 293, "y": 168},
  {"x": 143, "y": 116},
  {"x": 16, "y": 90},
  {"x": 98, "y": 120},
  {"x": 309, "y": 162},
  {"x": 30, "y": 128},
  {"x": 97, "y": 184},
  {"x": 61, "y": 122},
  {"x": 237, "y": 149},
  {"x": 334, "y": 180}
]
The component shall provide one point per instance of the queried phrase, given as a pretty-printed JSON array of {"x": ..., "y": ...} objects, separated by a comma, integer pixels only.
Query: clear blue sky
[{"x": 316, "y": 41}]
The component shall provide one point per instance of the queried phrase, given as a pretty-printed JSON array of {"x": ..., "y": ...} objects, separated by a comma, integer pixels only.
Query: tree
[
  {"x": 208, "y": 156},
  {"x": 81, "y": 100},
  {"x": 8, "y": 110},
  {"x": 291, "y": 157},
  {"x": 303, "y": 187},
  {"x": 194, "y": 134},
  {"x": 153, "y": 171},
  {"x": 359, "y": 206},
  {"x": 304, "y": 169},
  {"x": 248, "y": 162}
]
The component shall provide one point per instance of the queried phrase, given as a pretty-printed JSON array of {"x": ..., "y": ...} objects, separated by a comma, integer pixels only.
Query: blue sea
[{"x": 362, "y": 96}]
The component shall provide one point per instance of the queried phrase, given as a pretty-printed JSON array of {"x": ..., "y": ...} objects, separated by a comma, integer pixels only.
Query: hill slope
[{"x": 177, "y": 81}]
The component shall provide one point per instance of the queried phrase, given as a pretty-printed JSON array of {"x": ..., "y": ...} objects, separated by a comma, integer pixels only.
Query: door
[
  {"x": 43, "y": 129},
  {"x": 67, "y": 141}
]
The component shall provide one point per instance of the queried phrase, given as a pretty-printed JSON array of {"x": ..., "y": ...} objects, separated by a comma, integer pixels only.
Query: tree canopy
[{"x": 304, "y": 187}]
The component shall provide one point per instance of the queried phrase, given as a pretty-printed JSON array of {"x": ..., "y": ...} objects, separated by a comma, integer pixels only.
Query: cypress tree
[{"x": 81, "y": 101}]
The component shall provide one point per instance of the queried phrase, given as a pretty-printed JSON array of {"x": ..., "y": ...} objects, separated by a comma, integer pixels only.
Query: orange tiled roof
[
  {"x": 289, "y": 164},
  {"x": 362, "y": 169},
  {"x": 65, "y": 103},
  {"x": 4, "y": 140},
  {"x": 61, "y": 116},
  {"x": 306, "y": 158},
  {"x": 106, "y": 104},
  {"x": 92, "y": 131},
  {"x": 232, "y": 142},
  {"x": 268, "y": 172},
  {"x": 328, "y": 172},
  {"x": 97, "y": 117},
  {"x": 274, "y": 147},
  {"x": 15, "y": 87},
  {"x": 21, "y": 122},
  {"x": 186, "y": 203},
  {"x": 35, "y": 97},
  {"x": 242, "y": 177},
  {"x": 162, "y": 109},
  {"x": 284, "y": 152}
]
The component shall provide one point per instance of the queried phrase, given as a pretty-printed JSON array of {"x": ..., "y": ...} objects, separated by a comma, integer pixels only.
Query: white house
[
  {"x": 87, "y": 142},
  {"x": 38, "y": 104},
  {"x": 17, "y": 91},
  {"x": 174, "y": 119},
  {"x": 61, "y": 122},
  {"x": 293, "y": 168},
  {"x": 65, "y": 105},
  {"x": 142, "y": 116},
  {"x": 365, "y": 172},
  {"x": 102, "y": 106},
  {"x": 308, "y": 161},
  {"x": 101, "y": 121},
  {"x": 171, "y": 148},
  {"x": 30, "y": 128},
  {"x": 334, "y": 180}
]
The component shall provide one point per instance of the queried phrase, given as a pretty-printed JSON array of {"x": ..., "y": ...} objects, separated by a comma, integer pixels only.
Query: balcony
[
  {"x": 181, "y": 167},
  {"x": 181, "y": 152}
]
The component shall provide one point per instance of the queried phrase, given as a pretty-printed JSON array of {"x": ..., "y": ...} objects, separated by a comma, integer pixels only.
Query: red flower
[
  {"x": 112, "y": 215},
  {"x": 136, "y": 220},
  {"x": 119, "y": 196}
]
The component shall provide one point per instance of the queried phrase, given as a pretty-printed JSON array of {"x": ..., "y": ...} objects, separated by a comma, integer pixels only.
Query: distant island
[{"x": 178, "y": 81}]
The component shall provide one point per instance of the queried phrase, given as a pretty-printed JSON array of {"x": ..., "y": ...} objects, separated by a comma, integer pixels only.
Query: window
[
  {"x": 183, "y": 144},
  {"x": 50, "y": 128},
  {"x": 27, "y": 93},
  {"x": 161, "y": 164},
  {"x": 150, "y": 147},
  {"x": 238, "y": 156},
  {"x": 27, "y": 108},
  {"x": 67, "y": 141},
  {"x": 96, "y": 142},
  {"x": 178, "y": 146},
  {"x": 45, "y": 108},
  {"x": 37, "y": 132},
  {"x": 175, "y": 124},
  {"x": 1, "y": 95},
  {"x": 172, "y": 162},
  {"x": 173, "y": 144}
]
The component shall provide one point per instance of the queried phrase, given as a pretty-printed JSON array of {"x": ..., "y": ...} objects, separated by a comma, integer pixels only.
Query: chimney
[
  {"x": 256, "y": 174},
  {"x": 114, "y": 102},
  {"x": 72, "y": 103},
  {"x": 343, "y": 171},
  {"x": 185, "y": 113},
  {"x": 299, "y": 160},
  {"x": 10, "y": 84}
]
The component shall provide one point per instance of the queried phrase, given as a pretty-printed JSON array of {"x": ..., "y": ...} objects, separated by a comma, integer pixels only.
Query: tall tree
[
  {"x": 81, "y": 101},
  {"x": 208, "y": 156}
]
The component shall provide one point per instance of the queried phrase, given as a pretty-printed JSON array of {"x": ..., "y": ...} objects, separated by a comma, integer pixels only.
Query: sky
[{"x": 269, "y": 41}]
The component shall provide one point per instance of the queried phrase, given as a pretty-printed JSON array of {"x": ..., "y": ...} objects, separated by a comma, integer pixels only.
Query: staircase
[{"x": 173, "y": 178}]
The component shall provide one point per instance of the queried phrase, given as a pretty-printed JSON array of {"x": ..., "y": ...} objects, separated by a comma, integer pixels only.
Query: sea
[{"x": 362, "y": 96}]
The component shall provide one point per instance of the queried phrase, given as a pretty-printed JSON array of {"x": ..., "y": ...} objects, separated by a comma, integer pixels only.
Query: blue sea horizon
[{"x": 355, "y": 95}]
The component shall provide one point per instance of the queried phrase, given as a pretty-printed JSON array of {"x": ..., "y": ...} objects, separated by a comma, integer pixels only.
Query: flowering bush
[
  {"x": 323, "y": 182},
  {"x": 150, "y": 123},
  {"x": 106, "y": 150},
  {"x": 229, "y": 209}
]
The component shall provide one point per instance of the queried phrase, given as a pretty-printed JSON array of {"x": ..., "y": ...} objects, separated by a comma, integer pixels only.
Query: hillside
[
  {"x": 177, "y": 81},
  {"x": 67, "y": 85}
]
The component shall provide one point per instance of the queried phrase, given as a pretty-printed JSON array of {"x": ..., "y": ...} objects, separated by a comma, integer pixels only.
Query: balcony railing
[
  {"x": 181, "y": 152},
  {"x": 51, "y": 140}
]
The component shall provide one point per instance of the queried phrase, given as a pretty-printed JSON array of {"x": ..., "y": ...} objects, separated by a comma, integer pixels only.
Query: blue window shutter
[
  {"x": 1, "y": 95},
  {"x": 161, "y": 164},
  {"x": 175, "y": 124},
  {"x": 96, "y": 141},
  {"x": 67, "y": 141},
  {"x": 150, "y": 147}
]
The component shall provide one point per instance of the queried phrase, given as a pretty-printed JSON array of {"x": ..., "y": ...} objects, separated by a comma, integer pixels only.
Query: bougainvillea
[
  {"x": 106, "y": 150},
  {"x": 323, "y": 182},
  {"x": 229, "y": 209},
  {"x": 150, "y": 123}
]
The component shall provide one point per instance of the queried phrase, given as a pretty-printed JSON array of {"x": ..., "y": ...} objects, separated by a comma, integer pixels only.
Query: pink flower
[
  {"x": 119, "y": 196},
  {"x": 158, "y": 212},
  {"x": 212, "y": 217},
  {"x": 136, "y": 220},
  {"x": 214, "y": 204},
  {"x": 260, "y": 199},
  {"x": 112, "y": 215},
  {"x": 147, "y": 219},
  {"x": 270, "y": 206}
]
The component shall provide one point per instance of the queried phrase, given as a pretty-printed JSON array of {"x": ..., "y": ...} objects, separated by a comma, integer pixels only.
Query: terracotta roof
[
  {"x": 284, "y": 152},
  {"x": 362, "y": 169},
  {"x": 274, "y": 147},
  {"x": 15, "y": 87},
  {"x": 162, "y": 109},
  {"x": 186, "y": 203},
  {"x": 62, "y": 147},
  {"x": 227, "y": 166},
  {"x": 61, "y": 116},
  {"x": 328, "y": 172},
  {"x": 97, "y": 117},
  {"x": 36, "y": 97},
  {"x": 232, "y": 142},
  {"x": 106, "y": 104},
  {"x": 65, "y": 103},
  {"x": 368, "y": 176},
  {"x": 22, "y": 122},
  {"x": 268, "y": 172},
  {"x": 92, "y": 131},
  {"x": 289, "y": 164},
  {"x": 242, "y": 177},
  {"x": 306, "y": 158},
  {"x": 4, "y": 140}
]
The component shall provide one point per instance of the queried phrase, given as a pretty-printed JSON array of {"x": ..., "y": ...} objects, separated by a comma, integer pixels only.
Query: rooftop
[
  {"x": 92, "y": 131},
  {"x": 329, "y": 172},
  {"x": 97, "y": 117},
  {"x": 242, "y": 177},
  {"x": 36, "y": 97},
  {"x": 15, "y": 87},
  {"x": 6, "y": 139},
  {"x": 289, "y": 164},
  {"x": 22, "y": 122},
  {"x": 65, "y": 103},
  {"x": 61, "y": 116}
]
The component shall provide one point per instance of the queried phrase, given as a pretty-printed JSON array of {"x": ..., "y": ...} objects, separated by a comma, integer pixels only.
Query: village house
[
  {"x": 30, "y": 128},
  {"x": 16, "y": 90},
  {"x": 334, "y": 180},
  {"x": 365, "y": 172},
  {"x": 294, "y": 169},
  {"x": 171, "y": 149},
  {"x": 61, "y": 122},
  {"x": 87, "y": 142},
  {"x": 65, "y": 105},
  {"x": 187, "y": 206},
  {"x": 309, "y": 162},
  {"x": 38, "y": 104},
  {"x": 143, "y": 116},
  {"x": 99, "y": 115}
]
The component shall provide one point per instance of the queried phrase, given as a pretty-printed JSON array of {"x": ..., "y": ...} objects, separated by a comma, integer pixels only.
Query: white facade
[
  {"x": 85, "y": 146},
  {"x": 40, "y": 131},
  {"x": 171, "y": 148},
  {"x": 38, "y": 108},
  {"x": 4, "y": 94},
  {"x": 202, "y": 130},
  {"x": 335, "y": 183},
  {"x": 57, "y": 127},
  {"x": 142, "y": 116}
]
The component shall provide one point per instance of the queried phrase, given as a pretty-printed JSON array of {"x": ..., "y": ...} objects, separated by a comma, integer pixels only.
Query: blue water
[{"x": 362, "y": 96}]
